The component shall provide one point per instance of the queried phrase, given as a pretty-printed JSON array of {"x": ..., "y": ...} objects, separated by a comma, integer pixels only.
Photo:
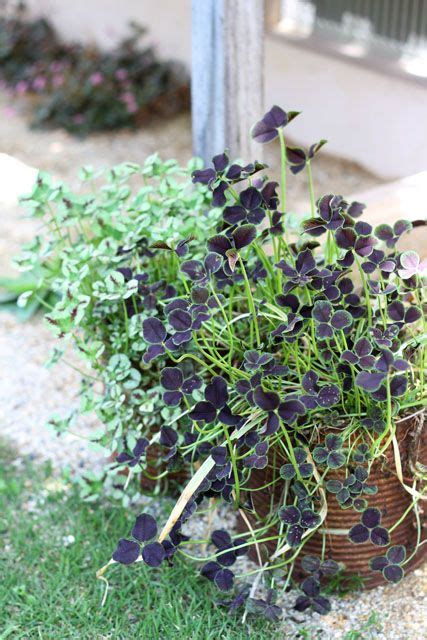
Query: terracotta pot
[{"x": 392, "y": 500}]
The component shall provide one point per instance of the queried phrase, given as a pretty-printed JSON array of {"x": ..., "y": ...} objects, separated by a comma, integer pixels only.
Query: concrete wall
[{"x": 376, "y": 120}]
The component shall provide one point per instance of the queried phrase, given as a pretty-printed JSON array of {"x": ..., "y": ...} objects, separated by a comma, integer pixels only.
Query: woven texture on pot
[{"x": 392, "y": 500}]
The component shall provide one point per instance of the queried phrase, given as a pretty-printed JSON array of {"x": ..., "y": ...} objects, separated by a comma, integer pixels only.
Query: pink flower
[
  {"x": 121, "y": 74},
  {"x": 58, "y": 80},
  {"x": 56, "y": 67},
  {"x": 96, "y": 79},
  {"x": 39, "y": 83},
  {"x": 132, "y": 107},
  {"x": 78, "y": 118},
  {"x": 130, "y": 101},
  {"x": 21, "y": 87}
]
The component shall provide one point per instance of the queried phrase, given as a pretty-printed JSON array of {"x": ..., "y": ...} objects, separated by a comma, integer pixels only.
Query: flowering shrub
[
  {"x": 302, "y": 357},
  {"x": 83, "y": 89}
]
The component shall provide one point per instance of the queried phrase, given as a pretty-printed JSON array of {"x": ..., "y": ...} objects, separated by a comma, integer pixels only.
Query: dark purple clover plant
[{"x": 289, "y": 361}]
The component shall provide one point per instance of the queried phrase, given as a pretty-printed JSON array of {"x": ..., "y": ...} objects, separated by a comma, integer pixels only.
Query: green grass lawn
[{"x": 49, "y": 591}]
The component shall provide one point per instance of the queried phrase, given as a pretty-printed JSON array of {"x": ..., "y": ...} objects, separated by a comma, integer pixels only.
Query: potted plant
[{"x": 308, "y": 416}]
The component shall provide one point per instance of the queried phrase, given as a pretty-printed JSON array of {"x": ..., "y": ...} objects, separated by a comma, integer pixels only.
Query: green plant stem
[
  {"x": 366, "y": 290},
  {"x": 227, "y": 324},
  {"x": 413, "y": 505},
  {"x": 250, "y": 302},
  {"x": 234, "y": 466},
  {"x": 282, "y": 170},
  {"x": 126, "y": 318},
  {"x": 311, "y": 188}
]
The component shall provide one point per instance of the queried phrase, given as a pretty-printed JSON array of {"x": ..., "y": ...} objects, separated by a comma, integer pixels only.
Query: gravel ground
[{"x": 29, "y": 393}]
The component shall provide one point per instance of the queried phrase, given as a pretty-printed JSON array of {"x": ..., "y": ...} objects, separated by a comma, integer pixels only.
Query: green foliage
[
  {"x": 11, "y": 290},
  {"x": 95, "y": 255},
  {"x": 366, "y": 630}
]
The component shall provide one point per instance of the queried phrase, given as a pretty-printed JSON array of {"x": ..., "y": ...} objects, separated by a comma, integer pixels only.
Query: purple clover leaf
[
  {"x": 181, "y": 248},
  {"x": 290, "y": 408},
  {"x": 316, "y": 396},
  {"x": 214, "y": 404},
  {"x": 172, "y": 380},
  {"x": 265, "y": 608},
  {"x": 229, "y": 248},
  {"x": 319, "y": 568},
  {"x": 201, "y": 272},
  {"x": 222, "y": 174},
  {"x": 128, "y": 551},
  {"x": 287, "y": 331},
  {"x": 227, "y": 549},
  {"x": 362, "y": 453},
  {"x": 312, "y": 598},
  {"x": 239, "y": 599},
  {"x": 302, "y": 273},
  {"x": 386, "y": 337},
  {"x": 349, "y": 490},
  {"x": 153, "y": 554},
  {"x": 386, "y": 364},
  {"x": 361, "y": 355},
  {"x": 258, "y": 459},
  {"x": 331, "y": 454},
  {"x": 378, "y": 260},
  {"x": 330, "y": 216},
  {"x": 298, "y": 157},
  {"x": 249, "y": 208},
  {"x": 145, "y": 528},
  {"x": 255, "y": 360},
  {"x": 390, "y": 563},
  {"x": 132, "y": 459},
  {"x": 369, "y": 529},
  {"x": 328, "y": 321},
  {"x": 299, "y": 518},
  {"x": 381, "y": 288},
  {"x": 357, "y": 239},
  {"x": 390, "y": 235},
  {"x": 305, "y": 469},
  {"x": 267, "y": 129},
  {"x": 401, "y": 315},
  {"x": 154, "y": 333},
  {"x": 374, "y": 420},
  {"x": 222, "y": 577}
]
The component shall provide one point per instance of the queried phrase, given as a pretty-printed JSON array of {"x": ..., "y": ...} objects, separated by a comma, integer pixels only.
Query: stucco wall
[{"x": 376, "y": 120}]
